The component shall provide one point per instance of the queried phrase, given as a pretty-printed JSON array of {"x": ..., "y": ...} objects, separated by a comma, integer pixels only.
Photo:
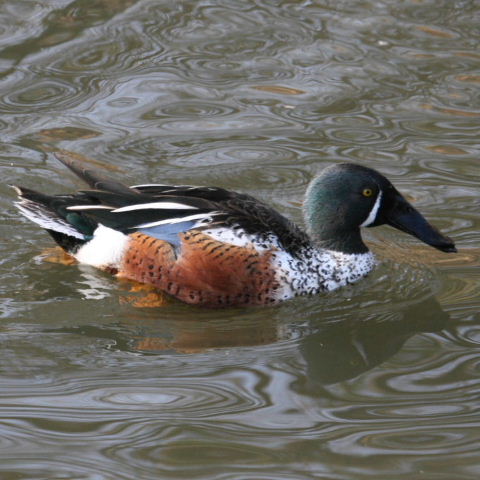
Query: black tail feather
[
  {"x": 48, "y": 211},
  {"x": 91, "y": 177},
  {"x": 68, "y": 243}
]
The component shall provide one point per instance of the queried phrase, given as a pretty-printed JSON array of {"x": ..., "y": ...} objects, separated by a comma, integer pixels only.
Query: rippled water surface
[{"x": 380, "y": 381}]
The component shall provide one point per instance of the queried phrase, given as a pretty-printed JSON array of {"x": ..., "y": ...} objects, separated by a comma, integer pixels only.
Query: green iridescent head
[{"x": 346, "y": 197}]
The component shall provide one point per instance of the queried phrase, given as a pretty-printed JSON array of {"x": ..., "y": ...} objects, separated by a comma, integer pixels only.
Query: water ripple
[
  {"x": 43, "y": 95},
  {"x": 379, "y": 380},
  {"x": 190, "y": 109},
  {"x": 194, "y": 399}
]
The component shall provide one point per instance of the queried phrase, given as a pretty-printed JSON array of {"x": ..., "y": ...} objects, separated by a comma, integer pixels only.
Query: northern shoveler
[{"x": 213, "y": 247}]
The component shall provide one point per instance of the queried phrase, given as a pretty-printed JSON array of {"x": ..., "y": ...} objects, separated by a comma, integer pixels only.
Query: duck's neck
[
  {"x": 338, "y": 240},
  {"x": 329, "y": 227}
]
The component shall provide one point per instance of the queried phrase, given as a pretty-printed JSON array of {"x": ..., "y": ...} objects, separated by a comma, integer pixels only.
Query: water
[{"x": 377, "y": 381}]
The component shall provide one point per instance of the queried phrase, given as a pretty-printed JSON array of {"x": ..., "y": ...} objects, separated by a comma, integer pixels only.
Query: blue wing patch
[{"x": 169, "y": 231}]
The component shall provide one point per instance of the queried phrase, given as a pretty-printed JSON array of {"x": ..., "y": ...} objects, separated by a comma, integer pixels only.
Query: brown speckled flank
[{"x": 206, "y": 272}]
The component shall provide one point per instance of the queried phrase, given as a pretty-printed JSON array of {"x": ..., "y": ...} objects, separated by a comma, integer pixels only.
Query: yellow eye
[{"x": 367, "y": 192}]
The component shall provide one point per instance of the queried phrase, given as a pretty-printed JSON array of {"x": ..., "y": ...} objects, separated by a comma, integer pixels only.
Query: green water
[{"x": 379, "y": 381}]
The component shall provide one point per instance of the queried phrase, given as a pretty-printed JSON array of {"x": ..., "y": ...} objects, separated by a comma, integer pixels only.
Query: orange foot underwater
[
  {"x": 57, "y": 255},
  {"x": 145, "y": 296}
]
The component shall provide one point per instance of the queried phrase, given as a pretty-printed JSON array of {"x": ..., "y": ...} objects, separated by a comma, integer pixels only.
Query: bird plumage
[{"x": 214, "y": 247}]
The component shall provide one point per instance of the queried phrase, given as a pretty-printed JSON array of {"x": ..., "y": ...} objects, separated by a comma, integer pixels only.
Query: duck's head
[{"x": 346, "y": 197}]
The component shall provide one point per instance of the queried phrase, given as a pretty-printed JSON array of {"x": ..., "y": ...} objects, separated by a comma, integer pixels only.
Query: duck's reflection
[
  {"x": 343, "y": 344},
  {"x": 346, "y": 349}
]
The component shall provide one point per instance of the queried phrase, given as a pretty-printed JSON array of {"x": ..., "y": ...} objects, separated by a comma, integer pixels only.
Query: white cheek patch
[{"x": 373, "y": 212}]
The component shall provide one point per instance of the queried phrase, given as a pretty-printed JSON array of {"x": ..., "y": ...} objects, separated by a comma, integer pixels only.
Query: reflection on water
[
  {"x": 378, "y": 381},
  {"x": 344, "y": 350},
  {"x": 333, "y": 351}
]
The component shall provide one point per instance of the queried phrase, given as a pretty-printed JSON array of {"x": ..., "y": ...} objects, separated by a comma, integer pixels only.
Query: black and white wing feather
[{"x": 160, "y": 210}]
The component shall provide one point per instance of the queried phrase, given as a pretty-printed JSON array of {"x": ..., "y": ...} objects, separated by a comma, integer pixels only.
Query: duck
[{"x": 212, "y": 247}]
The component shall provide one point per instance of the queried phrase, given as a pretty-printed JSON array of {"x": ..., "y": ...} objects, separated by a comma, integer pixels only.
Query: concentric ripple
[
  {"x": 43, "y": 95},
  {"x": 379, "y": 380}
]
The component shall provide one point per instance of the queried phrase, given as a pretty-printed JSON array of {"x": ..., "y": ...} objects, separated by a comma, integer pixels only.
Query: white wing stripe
[
  {"x": 151, "y": 185},
  {"x": 89, "y": 207},
  {"x": 198, "y": 216},
  {"x": 173, "y": 188},
  {"x": 153, "y": 205}
]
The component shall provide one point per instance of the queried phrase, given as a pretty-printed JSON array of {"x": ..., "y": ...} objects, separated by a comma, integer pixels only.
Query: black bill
[{"x": 407, "y": 219}]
